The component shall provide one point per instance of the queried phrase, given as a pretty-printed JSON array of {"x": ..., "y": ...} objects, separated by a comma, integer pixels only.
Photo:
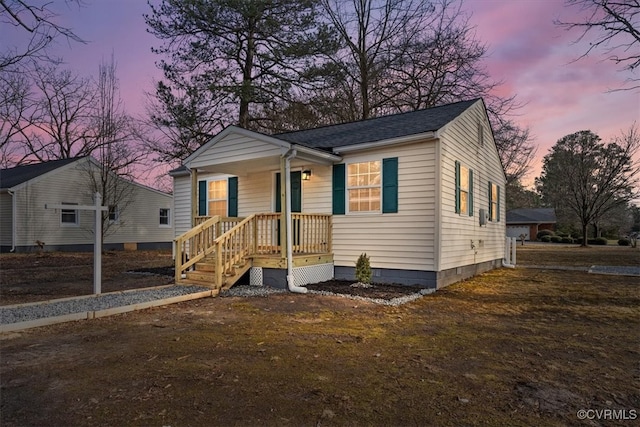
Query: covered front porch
[
  {"x": 257, "y": 172},
  {"x": 220, "y": 250}
]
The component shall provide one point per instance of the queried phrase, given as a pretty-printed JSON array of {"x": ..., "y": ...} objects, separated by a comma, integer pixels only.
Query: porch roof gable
[{"x": 275, "y": 147}]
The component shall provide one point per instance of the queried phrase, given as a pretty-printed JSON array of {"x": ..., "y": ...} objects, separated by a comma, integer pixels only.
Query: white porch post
[{"x": 289, "y": 225}]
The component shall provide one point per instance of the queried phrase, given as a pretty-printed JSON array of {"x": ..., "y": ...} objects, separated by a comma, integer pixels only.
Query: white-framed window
[
  {"x": 364, "y": 186},
  {"x": 217, "y": 203},
  {"x": 165, "y": 217},
  {"x": 464, "y": 190},
  {"x": 114, "y": 214},
  {"x": 494, "y": 202},
  {"x": 69, "y": 217}
]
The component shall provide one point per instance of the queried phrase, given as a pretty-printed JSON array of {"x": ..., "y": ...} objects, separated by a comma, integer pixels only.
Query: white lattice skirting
[
  {"x": 301, "y": 275},
  {"x": 255, "y": 276},
  {"x": 312, "y": 274}
]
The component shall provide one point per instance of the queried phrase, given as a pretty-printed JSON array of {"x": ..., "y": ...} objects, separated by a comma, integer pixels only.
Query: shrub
[
  {"x": 556, "y": 239},
  {"x": 562, "y": 234},
  {"x": 599, "y": 241},
  {"x": 363, "y": 269},
  {"x": 624, "y": 242},
  {"x": 545, "y": 239},
  {"x": 543, "y": 233},
  {"x": 567, "y": 240}
]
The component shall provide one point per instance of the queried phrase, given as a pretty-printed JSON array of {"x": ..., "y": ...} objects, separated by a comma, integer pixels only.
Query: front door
[
  {"x": 296, "y": 203},
  {"x": 296, "y": 192}
]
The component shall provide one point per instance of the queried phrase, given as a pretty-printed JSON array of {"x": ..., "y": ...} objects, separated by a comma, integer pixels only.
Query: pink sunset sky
[{"x": 531, "y": 56}]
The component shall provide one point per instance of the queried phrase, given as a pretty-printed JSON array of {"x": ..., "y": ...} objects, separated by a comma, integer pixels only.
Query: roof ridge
[{"x": 368, "y": 119}]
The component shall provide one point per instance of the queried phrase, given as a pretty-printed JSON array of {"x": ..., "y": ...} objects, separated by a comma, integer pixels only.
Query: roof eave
[
  {"x": 424, "y": 136},
  {"x": 316, "y": 155}
]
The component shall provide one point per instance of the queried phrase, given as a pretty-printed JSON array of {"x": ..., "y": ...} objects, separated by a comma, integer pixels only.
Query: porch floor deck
[{"x": 299, "y": 260}]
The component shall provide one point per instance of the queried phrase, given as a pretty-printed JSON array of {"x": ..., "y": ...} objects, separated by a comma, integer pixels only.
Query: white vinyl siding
[
  {"x": 460, "y": 142},
  {"x": 404, "y": 240},
  {"x": 181, "y": 204},
  {"x": 138, "y": 221},
  {"x": 234, "y": 148}
]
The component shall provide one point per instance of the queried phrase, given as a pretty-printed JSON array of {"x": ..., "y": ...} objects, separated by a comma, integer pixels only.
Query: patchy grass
[
  {"x": 576, "y": 256},
  {"x": 511, "y": 347}
]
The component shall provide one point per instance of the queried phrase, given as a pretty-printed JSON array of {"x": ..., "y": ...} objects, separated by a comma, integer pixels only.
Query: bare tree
[
  {"x": 586, "y": 178},
  {"x": 56, "y": 127},
  {"x": 38, "y": 22},
  {"x": 405, "y": 55},
  {"x": 375, "y": 38},
  {"x": 15, "y": 100},
  {"x": 110, "y": 137},
  {"x": 612, "y": 26},
  {"x": 516, "y": 149}
]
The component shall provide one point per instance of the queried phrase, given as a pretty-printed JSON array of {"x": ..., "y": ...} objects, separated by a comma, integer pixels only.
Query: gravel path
[
  {"x": 252, "y": 291},
  {"x": 615, "y": 270},
  {"x": 53, "y": 308}
]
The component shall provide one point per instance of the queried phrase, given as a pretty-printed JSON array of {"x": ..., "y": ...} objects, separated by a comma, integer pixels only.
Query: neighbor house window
[
  {"x": 464, "y": 190},
  {"x": 69, "y": 217},
  {"x": 217, "y": 197},
  {"x": 114, "y": 214},
  {"x": 494, "y": 202},
  {"x": 165, "y": 217},
  {"x": 364, "y": 186}
]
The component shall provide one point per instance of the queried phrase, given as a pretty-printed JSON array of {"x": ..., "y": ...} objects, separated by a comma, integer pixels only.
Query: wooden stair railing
[
  {"x": 194, "y": 245},
  {"x": 221, "y": 250},
  {"x": 233, "y": 251}
]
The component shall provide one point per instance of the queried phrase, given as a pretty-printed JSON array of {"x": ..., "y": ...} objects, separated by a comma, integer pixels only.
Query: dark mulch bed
[
  {"x": 384, "y": 291},
  {"x": 377, "y": 290},
  {"x": 161, "y": 271}
]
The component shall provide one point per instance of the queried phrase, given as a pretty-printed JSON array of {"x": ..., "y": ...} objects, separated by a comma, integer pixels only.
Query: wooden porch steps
[{"x": 205, "y": 273}]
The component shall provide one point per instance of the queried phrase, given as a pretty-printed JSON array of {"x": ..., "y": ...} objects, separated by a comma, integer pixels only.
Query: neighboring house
[
  {"x": 143, "y": 220},
  {"x": 421, "y": 193},
  {"x": 529, "y": 221}
]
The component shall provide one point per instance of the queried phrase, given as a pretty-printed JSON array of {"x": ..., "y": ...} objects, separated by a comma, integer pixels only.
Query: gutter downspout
[
  {"x": 14, "y": 211},
  {"x": 289, "y": 225},
  {"x": 509, "y": 253}
]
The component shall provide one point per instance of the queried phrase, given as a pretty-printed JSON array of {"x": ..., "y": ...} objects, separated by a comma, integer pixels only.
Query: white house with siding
[
  {"x": 142, "y": 220},
  {"x": 421, "y": 193}
]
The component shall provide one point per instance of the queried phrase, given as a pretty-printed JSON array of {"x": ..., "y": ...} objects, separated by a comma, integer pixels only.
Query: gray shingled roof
[
  {"x": 532, "y": 215},
  {"x": 378, "y": 128},
  {"x": 15, "y": 176}
]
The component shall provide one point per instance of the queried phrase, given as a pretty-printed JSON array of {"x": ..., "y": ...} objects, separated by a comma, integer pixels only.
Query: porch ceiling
[{"x": 245, "y": 167}]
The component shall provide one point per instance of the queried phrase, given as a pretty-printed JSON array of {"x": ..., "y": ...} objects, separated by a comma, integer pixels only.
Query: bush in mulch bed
[{"x": 376, "y": 290}]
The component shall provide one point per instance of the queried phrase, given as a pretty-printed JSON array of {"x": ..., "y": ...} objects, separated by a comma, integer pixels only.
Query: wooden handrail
[
  {"x": 195, "y": 244},
  {"x": 235, "y": 239}
]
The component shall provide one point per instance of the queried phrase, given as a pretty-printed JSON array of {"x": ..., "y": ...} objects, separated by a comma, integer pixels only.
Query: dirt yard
[
  {"x": 511, "y": 347},
  {"x": 43, "y": 276}
]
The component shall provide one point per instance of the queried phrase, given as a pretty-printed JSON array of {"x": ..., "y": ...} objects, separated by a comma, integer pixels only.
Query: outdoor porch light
[{"x": 306, "y": 175}]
